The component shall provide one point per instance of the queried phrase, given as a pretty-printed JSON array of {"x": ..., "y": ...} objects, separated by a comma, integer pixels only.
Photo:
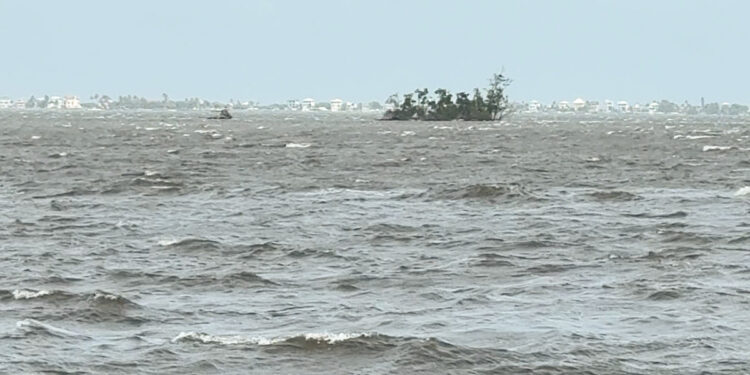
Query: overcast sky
[{"x": 271, "y": 51}]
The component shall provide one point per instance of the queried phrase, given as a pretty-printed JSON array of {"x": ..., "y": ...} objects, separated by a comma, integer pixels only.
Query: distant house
[
  {"x": 653, "y": 107},
  {"x": 71, "y": 102},
  {"x": 336, "y": 105},
  {"x": 308, "y": 104},
  {"x": 533, "y": 106},
  {"x": 579, "y": 104},
  {"x": 294, "y": 105},
  {"x": 5, "y": 103},
  {"x": 609, "y": 106},
  {"x": 592, "y": 106},
  {"x": 623, "y": 106},
  {"x": 19, "y": 104},
  {"x": 563, "y": 106}
]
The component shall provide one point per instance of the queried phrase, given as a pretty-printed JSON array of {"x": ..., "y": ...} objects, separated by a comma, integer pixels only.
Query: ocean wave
[
  {"x": 191, "y": 244},
  {"x": 35, "y": 326},
  {"x": 708, "y": 148},
  {"x": 479, "y": 192},
  {"x": 618, "y": 196},
  {"x": 307, "y": 338},
  {"x": 743, "y": 191},
  {"x": 243, "y": 279},
  {"x": 671, "y": 215},
  {"x": 29, "y": 294},
  {"x": 297, "y": 145}
]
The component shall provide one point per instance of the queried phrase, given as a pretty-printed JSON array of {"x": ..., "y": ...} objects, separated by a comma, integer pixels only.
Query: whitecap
[
  {"x": 333, "y": 338},
  {"x": 33, "y": 324},
  {"x": 29, "y": 294},
  {"x": 224, "y": 340},
  {"x": 743, "y": 191},
  {"x": 297, "y": 145},
  {"x": 169, "y": 242},
  {"x": 716, "y": 148},
  {"x": 35, "y": 137},
  {"x": 329, "y": 338},
  {"x": 100, "y": 295}
]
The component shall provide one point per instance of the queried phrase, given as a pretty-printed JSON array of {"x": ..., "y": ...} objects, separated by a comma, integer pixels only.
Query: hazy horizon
[{"x": 273, "y": 51}]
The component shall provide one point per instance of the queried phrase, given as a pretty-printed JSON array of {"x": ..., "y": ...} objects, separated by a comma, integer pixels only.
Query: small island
[{"x": 490, "y": 106}]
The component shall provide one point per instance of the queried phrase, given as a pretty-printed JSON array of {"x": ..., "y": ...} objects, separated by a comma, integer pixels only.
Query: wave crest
[{"x": 307, "y": 338}]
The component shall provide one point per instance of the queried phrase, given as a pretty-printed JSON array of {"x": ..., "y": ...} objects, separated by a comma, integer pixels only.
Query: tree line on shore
[{"x": 489, "y": 105}]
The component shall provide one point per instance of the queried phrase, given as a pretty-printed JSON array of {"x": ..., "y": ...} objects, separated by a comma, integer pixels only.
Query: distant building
[
  {"x": 592, "y": 106},
  {"x": 579, "y": 104},
  {"x": 336, "y": 105},
  {"x": 609, "y": 106},
  {"x": 294, "y": 105},
  {"x": 71, "y": 102},
  {"x": 308, "y": 104},
  {"x": 533, "y": 106},
  {"x": 19, "y": 104},
  {"x": 623, "y": 106},
  {"x": 5, "y": 103},
  {"x": 563, "y": 106},
  {"x": 653, "y": 107}
]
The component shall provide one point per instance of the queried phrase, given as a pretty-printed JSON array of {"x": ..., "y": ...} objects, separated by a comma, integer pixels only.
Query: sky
[{"x": 271, "y": 51}]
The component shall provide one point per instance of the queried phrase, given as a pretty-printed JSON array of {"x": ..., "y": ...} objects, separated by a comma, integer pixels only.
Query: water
[{"x": 159, "y": 242}]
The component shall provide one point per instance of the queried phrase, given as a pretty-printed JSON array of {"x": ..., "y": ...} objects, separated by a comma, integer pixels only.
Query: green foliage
[
  {"x": 711, "y": 108},
  {"x": 668, "y": 107},
  {"x": 442, "y": 107}
]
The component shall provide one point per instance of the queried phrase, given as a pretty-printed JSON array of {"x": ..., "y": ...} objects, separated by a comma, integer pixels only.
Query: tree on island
[{"x": 489, "y": 106}]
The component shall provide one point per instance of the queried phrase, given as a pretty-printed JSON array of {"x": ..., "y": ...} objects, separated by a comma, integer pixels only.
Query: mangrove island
[{"x": 489, "y": 106}]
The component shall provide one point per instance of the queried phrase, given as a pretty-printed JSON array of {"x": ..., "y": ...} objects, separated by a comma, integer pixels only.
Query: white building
[
  {"x": 579, "y": 104},
  {"x": 71, "y": 102},
  {"x": 336, "y": 105},
  {"x": 5, "y": 103},
  {"x": 294, "y": 105},
  {"x": 623, "y": 106},
  {"x": 563, "y": 106},
  {"x": 308, "y": 104},
  {"x": 534, "y": 106},
  {"x": 653, "y": 107},
  {"x": 19, "y": 104},
  {"x": 609, "y": 106}
]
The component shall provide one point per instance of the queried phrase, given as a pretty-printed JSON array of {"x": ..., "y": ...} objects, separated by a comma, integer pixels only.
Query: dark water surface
[{"x": 159, "y": 242}]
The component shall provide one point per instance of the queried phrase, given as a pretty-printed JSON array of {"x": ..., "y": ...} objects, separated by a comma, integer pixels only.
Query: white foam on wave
[
  {"x": 168, "y": 242},
  {"x": 333, "y": 338},
  {"x": 29, "y": 294},
  {"x": 691, "y": 137},
  {"x": 297, "y": 145},
  {"x": 100, "y": 295},
  {"x": 743, "y": 191},
  {"x": 716, "y": 148},
  {"x": 30, "y": 324},
  {"x": 224, "y": 340},
  {"x": 329, "y": 338}
]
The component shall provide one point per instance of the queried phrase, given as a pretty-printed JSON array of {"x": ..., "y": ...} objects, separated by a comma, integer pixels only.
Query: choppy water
[{"x": 159, "y": 242}]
